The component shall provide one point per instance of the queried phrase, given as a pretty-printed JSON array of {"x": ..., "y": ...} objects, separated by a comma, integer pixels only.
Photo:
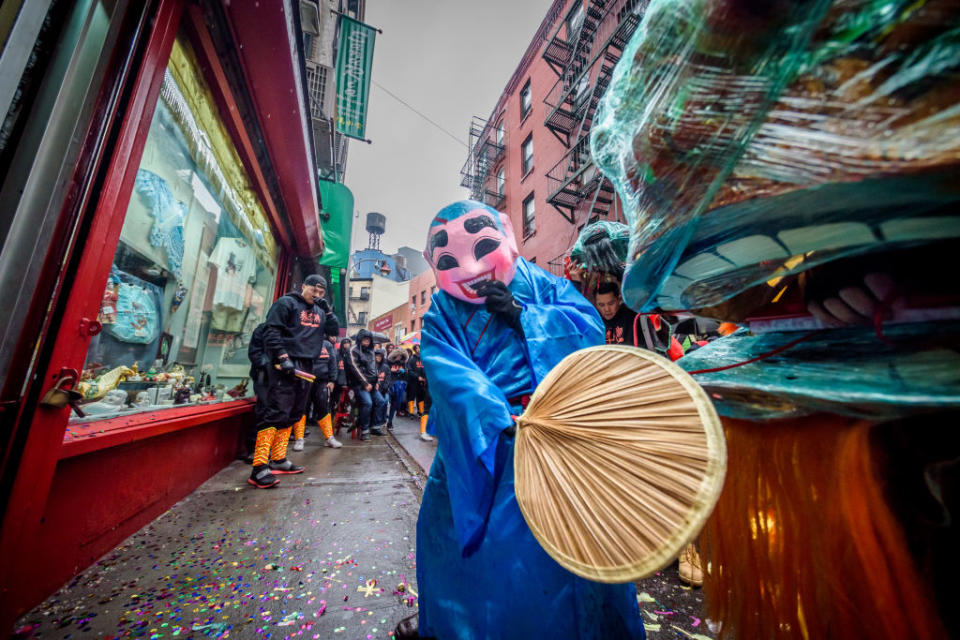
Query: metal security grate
[{"x": 317, "y": 87}]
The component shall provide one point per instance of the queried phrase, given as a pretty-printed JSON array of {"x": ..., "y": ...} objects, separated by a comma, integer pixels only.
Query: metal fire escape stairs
[
  {"x": 591, "y": 55},
  {"x": 484, "y": 155}
]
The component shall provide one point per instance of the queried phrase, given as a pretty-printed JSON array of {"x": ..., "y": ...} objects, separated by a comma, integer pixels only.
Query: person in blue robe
[{"x": 495, "y": 328}]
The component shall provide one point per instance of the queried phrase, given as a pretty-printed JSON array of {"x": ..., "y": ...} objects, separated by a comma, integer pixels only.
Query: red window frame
[{"x": 109, "y": 218}]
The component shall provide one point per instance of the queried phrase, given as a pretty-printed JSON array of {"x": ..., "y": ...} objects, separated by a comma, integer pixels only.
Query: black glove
[
  {"x": 287, "y": 367},
  {"x": 500, "y": 301}
]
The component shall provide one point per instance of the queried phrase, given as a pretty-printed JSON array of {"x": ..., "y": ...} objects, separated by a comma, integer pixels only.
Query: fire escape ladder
[
  {"x": 557, "y": 53},
  {"x": 583, "y": 42},
  {"x": 575, "y": 183},
  {"x": 473, "y": 175}
]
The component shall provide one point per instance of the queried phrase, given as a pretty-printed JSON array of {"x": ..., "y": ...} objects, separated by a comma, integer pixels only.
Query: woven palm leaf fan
[{"x": 618, "y": 462}]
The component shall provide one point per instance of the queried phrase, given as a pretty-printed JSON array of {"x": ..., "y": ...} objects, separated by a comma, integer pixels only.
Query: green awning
[{"x": 336, "y": 200}]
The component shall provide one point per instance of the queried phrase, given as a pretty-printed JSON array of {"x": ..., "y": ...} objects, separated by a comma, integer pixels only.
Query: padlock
[{"x": 58, "y": 397}]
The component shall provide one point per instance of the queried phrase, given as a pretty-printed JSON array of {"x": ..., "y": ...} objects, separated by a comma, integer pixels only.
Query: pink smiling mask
[{"x": 469, "y": 243}]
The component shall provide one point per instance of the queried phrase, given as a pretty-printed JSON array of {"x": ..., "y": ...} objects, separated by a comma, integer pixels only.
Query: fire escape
[
  {"x": 582, "y": 52},
  {"x": 486, "y": 151}
]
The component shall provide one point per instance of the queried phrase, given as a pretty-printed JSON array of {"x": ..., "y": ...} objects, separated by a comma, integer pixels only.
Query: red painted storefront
[{"x": 68, "y": 499}]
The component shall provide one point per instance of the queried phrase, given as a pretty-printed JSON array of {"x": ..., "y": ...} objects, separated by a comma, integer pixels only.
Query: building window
[
  {"x": 526, "y": 161},
  {"x": 423, "y": 297},
  {"x": 189, "y": 281},
  {"x": 413, "y": 302},
  {"x": 501, "y": 181},
  {"x": 308, "y": 39},
  {"x": 362, "y": 318},
  {"x": 500, "y": 133},
  {"x": 529, "y": 217},
  {"x": 526, "y": 100},
  {"x": 413, "y": 325}
]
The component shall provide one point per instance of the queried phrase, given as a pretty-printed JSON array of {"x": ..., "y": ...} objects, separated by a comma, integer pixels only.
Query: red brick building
[
  {"x": 531, "y": 157},
  {"x": 394, "y": 323},
  {"x": 407, "y": 317},
  {"x": 421, "y": 288}
]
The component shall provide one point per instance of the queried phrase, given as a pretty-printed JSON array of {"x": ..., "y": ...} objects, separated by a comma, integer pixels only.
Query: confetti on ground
[
  {"x": 282, "y": 564},
  {"x": 256, "y": 564}
]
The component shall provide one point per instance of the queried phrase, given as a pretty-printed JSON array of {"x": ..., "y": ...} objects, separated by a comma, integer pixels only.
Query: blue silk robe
[{"x": 480, "y": 571}]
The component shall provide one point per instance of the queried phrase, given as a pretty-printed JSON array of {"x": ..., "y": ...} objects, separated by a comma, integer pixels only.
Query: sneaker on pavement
[
  {"x": 333, "y": 443},
  {"x": 261, "y": 478},
  {"x": 365, "y": 435},
  {"x": 298, "y": 444},
  {"x": 377, "y": 431},
  {"x": 426, "y": 437},
  {"x": 285, "y": 466}
]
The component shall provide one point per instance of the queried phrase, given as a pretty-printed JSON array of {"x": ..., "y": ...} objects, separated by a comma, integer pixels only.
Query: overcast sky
[{"x": 449, "y": 59}]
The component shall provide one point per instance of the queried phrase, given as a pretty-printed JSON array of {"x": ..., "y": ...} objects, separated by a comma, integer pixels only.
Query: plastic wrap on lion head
[
  {"x": 751, "y": 140},
  {"x": 470, "y": 243}
]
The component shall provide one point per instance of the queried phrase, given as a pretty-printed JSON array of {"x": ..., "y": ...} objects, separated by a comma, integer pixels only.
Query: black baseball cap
[{"x": 314, "y": 280}]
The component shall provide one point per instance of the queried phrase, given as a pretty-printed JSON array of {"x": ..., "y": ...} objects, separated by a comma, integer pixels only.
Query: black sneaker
[
  {"x": 377, "y": 431},
  {"x": 364, "y": 435},
  {"x": 261, "y": 477},
  {"x": 285, "y": 467}
]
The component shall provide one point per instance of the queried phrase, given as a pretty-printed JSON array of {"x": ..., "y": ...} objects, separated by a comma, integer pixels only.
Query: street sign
[
  {"x": 354, "y": 61},
  {"x": 383, "y": 324}
]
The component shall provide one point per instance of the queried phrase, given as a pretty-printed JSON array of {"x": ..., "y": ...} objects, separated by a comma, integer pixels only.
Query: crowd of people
[{"x": 305, "y": 375}]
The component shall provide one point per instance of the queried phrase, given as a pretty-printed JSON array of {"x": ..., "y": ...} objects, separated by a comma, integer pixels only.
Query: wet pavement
[
  {"x": 327, "y": 554},
  {"x": 407, "y": 433}
]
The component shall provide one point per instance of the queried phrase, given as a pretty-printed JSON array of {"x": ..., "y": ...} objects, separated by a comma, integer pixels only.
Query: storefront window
[{"x": 195, "y": 269}]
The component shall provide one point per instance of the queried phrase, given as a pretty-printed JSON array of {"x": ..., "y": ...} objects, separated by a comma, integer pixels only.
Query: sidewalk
[
  {"x": 328, "y": 553},
  {"x": 407, "y": 433}
]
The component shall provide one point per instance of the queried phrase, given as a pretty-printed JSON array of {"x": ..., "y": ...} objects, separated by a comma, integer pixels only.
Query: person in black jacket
[
  {"x": 340, "y": 384},
  {"x": 384, "y": 380},
  {"x": 416, "y": 382},
  {"x": 363, "y": 375},
  {"x": 259, "y": 362},
  {"x": 293, "y": 337},
  {"x": 325, "y": 368},
  {"x": 626, "y": 326},
  {"x": 397, "y": 361}
]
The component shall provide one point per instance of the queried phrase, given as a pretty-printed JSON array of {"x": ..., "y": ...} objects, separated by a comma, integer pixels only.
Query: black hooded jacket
[
  {"x": 342, "y": 354},
  {"x": 325, "y": 366},
  {"x": 297, "y": 328},
  {"x": 361, "y": 364},
  {"x": 259, "y": 360},
  {"x": 415, "y": 369}
]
